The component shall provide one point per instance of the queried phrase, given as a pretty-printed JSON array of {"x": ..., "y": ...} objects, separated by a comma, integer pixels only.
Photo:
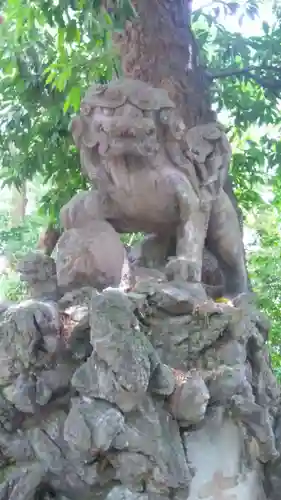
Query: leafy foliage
[
  {"x": 246, "y": 74},
  {"x": 49, "y": 53},
  {"x": 12, "y": 288},
  {"x": 265, "y": 271},
  {"x": 15, "y": 242}
]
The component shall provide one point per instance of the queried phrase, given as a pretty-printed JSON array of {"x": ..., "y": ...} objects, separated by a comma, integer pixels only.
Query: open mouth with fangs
[
  {"x": 121, "y": 140},
  {"x": 127, "y": 147}
]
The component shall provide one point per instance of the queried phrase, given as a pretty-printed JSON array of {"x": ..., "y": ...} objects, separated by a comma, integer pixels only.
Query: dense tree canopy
[{"x": 52, "y": 50}]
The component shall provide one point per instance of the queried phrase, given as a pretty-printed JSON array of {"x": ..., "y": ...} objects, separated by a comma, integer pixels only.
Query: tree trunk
[
  {"x": 48, "y": 239},
  {"x": 18, "y": 205},
  {"x": 159, "y": 48}
]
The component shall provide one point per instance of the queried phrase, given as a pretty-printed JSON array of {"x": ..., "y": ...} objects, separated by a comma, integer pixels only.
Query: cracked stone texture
[
  {"x": 39, "y": 272},
  {"x": 114, "y": 395},
  {"x": 90, "y": 255}
]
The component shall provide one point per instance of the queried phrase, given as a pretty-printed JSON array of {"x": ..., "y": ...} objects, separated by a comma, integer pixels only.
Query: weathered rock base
[{"x": 144, "y": 395}]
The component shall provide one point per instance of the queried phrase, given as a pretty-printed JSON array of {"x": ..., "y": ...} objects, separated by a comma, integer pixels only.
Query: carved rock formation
[
  {"x": 152, "y": 253},
  {"x": 90, "y": 255},
  {"x": 136, "y": 395}
]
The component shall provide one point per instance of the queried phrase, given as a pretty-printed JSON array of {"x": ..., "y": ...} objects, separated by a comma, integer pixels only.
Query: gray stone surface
[{"x": 109, "y": 422}]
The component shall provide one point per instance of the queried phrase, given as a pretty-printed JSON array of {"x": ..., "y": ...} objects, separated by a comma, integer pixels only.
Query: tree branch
[{"x": 249, "y": 72}]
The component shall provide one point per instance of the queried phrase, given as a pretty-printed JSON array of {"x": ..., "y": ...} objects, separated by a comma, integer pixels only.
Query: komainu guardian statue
[{"x": 151, "y": 174}]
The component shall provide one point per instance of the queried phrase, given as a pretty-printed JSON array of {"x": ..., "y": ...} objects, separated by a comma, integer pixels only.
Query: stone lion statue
[{"x": 150, "y": 174}]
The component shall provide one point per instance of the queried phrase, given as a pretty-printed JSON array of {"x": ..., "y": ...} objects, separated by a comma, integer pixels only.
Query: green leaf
[{"x": 73, "y": 99}]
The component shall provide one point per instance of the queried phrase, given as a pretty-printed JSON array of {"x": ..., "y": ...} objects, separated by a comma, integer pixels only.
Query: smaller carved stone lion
[{"x": 150, "y": 174}]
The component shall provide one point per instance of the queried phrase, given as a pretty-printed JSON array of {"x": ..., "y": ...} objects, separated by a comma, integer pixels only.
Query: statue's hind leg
[{"x": 225, "y": 241}]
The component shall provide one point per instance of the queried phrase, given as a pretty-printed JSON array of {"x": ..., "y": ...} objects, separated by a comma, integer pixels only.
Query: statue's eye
[
  {"x": 107, "y": 111},
  {"x": 85, "y": 109}
]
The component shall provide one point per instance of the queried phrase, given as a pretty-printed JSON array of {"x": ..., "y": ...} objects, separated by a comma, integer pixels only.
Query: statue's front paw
[{"x": 180, "y": 268}]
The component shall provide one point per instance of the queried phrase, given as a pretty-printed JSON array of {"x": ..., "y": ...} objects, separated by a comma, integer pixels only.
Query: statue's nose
[
  {"x": 119, "y": 126},
  {"x": 129, "y": 111},
  {"x": 128, "y": 127}
]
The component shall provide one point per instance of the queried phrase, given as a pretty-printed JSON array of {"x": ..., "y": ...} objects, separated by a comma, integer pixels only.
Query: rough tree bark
[
  {"x": 48, "y": 239},
  {"x": 158, "y": 47},
  {"x": 19, "y": 202}
]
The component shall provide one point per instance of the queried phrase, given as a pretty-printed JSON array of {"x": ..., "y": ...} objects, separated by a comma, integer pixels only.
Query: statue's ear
[
  {"x": 85, "y": 131},
  {"x": 76, "y": 129},
  {"x": 171, "y": 119},
  {"x": 90, "y": 162}
]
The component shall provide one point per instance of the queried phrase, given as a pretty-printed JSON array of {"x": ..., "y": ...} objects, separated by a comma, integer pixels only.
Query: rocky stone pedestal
[{"x": 146, "y": 395}]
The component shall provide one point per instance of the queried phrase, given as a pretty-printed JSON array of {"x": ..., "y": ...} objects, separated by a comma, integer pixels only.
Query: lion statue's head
[{"x": 124, "y": 117}]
